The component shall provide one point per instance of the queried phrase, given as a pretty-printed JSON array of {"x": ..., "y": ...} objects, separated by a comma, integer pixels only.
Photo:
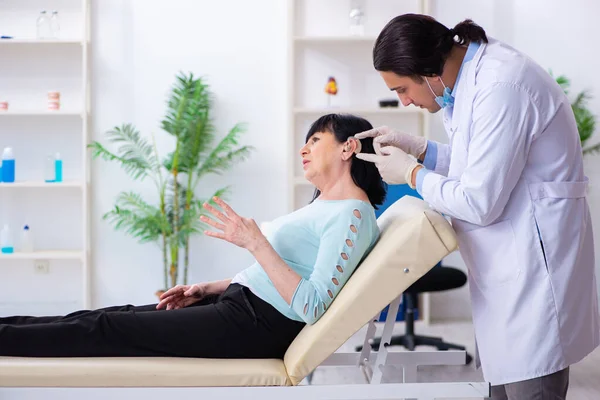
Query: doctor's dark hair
[
  {"x": 364, "y": 174},
  {"x": 416, "y": 45}
]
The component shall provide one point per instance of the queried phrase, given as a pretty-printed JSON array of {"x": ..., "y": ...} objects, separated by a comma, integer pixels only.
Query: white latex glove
[
  {"x": 413, "y": 145},
  {"x": 394, "y": 165}
]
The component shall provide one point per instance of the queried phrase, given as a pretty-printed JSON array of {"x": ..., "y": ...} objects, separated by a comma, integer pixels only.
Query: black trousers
[{"x": 235, "y": 324}]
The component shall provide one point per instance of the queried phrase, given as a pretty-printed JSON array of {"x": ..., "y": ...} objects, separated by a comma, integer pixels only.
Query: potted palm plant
[{"x": 175, "y": 219}]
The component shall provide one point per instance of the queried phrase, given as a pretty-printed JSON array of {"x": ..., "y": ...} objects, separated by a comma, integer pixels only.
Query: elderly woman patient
[{"x": 299, "y": 269}]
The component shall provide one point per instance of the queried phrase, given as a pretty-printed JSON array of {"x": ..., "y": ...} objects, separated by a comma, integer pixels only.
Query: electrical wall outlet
[{"x": 41, "y": 266}]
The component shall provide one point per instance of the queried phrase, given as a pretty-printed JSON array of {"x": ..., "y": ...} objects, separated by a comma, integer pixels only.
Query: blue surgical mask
[{"x": 446, "y": 99}]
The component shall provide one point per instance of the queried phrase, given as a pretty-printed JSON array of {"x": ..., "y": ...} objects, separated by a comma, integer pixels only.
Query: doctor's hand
[
  {"x": 243, "y": 232},
  {"x": 182, "y": 296},
  {"x": 413, "y": 145},
  {"x": 394, "y": 165}
]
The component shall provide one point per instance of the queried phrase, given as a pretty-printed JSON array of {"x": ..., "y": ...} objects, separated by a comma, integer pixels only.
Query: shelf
[
  {"x": 11, "y": 42},
  {"x": 42, "y": 185},
  {"x": 45, "y": 255},
  {"x": 34, "y": 113},
  {"x": 335, "y": 39},
  {"x": 361, "y": 110}
]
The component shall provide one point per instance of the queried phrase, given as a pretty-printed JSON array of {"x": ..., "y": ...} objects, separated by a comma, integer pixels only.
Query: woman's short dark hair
[
  {"x": 417, "y": 45},
  {"x": 364, "y": 174}
]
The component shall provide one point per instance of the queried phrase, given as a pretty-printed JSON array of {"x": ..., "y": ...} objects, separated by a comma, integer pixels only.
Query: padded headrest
[{"x": 413, "y": 239}]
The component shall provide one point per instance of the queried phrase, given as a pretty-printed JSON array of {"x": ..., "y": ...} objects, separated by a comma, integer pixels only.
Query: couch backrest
[{"x": 413, "y": 239}]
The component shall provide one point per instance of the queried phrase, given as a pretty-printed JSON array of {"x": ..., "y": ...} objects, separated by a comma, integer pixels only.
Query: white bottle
[
  {"x": 6, "y": 242},
  {"x": 49, "y": 169},
  {"x": 55, "y": 25},
  {"x": 43, "y": 26},
  {"x": 26, "y": 240}
]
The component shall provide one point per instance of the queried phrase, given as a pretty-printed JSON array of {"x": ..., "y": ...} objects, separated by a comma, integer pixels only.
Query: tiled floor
[{"x": 584, "y": 378}]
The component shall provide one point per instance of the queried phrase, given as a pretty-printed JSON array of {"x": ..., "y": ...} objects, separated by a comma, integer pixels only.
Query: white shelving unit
[
  {"x": 9, "y": 42},
  {"x": 320, "y": 45},
  {"x": 45, "y": 255},
  {"x": 59, "y": 213},
  {"x": 41, "y": 184},
  {"x": 37, "y": 113}
]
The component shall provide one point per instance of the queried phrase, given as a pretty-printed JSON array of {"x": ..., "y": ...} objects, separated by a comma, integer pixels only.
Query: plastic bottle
[
  {"x": 58, "y": 168},
  {"x": 8, "y": 165},
  {"x": 6, "y": 242},
  {"x": 49, "y": 169},
  {"x": 43, "y": 26},
  {"x": 26, "y": 240},
  {"x": 55, "y": 25}
]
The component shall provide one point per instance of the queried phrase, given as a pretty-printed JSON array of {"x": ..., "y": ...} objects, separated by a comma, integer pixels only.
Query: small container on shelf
[
  {"x": 53, "y": 100},
  {"x": 58, "y": 168},
  {"x": 26, "y": 244},
  {"x": 49, "y": 169},
  {"x": 3, "y": 105},
  {"x": 44, "y": 31},
  {"x": 53, "y": 96},
  {"x": 8, "y": 165},
  {"x": 6, "y": 241},
  {"x": 55, "y": 25}
]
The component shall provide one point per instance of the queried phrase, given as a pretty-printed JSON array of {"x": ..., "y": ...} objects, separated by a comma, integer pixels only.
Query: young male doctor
[{"x": 512, "y": 180}]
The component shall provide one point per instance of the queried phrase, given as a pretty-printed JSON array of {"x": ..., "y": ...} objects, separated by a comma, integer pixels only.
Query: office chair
[{"x": 439, "y": 278}]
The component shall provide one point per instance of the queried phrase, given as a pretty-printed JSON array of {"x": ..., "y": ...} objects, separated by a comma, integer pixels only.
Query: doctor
[{"x": 512, "y": 180}]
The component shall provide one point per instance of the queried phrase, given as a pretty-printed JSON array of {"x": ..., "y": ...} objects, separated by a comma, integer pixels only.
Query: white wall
[
  {"x": 139, "y": 46},
  {"x": 240, "y": 46}
]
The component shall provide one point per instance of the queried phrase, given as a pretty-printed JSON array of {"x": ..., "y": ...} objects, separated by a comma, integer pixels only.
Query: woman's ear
[{"x": 352, "y": 146}]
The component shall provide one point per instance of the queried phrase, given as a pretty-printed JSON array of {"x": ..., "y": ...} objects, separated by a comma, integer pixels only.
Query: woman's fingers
[
  {"x": 218, "y": 235},
  {"x": 191, "y": 291},
  {"x": 171, "y": 291},
  {"x": 164, "y": 302},
  {"x": 225, "y": 207},
  {"x": 216, "y": 212},
  {"x": 212, "y": 222}
]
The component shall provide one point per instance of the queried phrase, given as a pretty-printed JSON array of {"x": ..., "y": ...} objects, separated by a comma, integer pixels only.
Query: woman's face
[{"x": 323, "y": 156}]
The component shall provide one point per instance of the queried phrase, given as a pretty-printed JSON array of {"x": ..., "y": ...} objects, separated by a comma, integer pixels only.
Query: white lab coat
[{"x": 514, "y": 165}]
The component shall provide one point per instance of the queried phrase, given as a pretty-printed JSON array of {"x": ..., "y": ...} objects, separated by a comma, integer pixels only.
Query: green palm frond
[
  {"x": 188, "y": 119},
  {"x": 581, "y": 99},
  {"x": 135, "y": 154},
  {"x": 224, "y": 155},
  {"x": 586, "y": 123},
  {"x": 137, "y": 218},
  {"x": 181, "y": 92}
]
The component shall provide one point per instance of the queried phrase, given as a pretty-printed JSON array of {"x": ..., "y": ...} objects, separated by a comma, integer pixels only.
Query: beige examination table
[{"x": 413, "y": 239}]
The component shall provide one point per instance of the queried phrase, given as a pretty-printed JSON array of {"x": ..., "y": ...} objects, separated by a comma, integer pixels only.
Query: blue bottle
[
  {"x": 8, "y": 165},
  {"x": 58, "y": 168}
]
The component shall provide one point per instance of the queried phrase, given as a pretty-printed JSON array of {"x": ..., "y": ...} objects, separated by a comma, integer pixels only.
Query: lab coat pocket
[
  {"x": 490, "y": 253},
  {"x": 559, "y": 212}
]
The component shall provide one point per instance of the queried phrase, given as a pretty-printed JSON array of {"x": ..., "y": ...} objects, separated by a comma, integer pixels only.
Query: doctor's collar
[{"x": 471, "y": 50}]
